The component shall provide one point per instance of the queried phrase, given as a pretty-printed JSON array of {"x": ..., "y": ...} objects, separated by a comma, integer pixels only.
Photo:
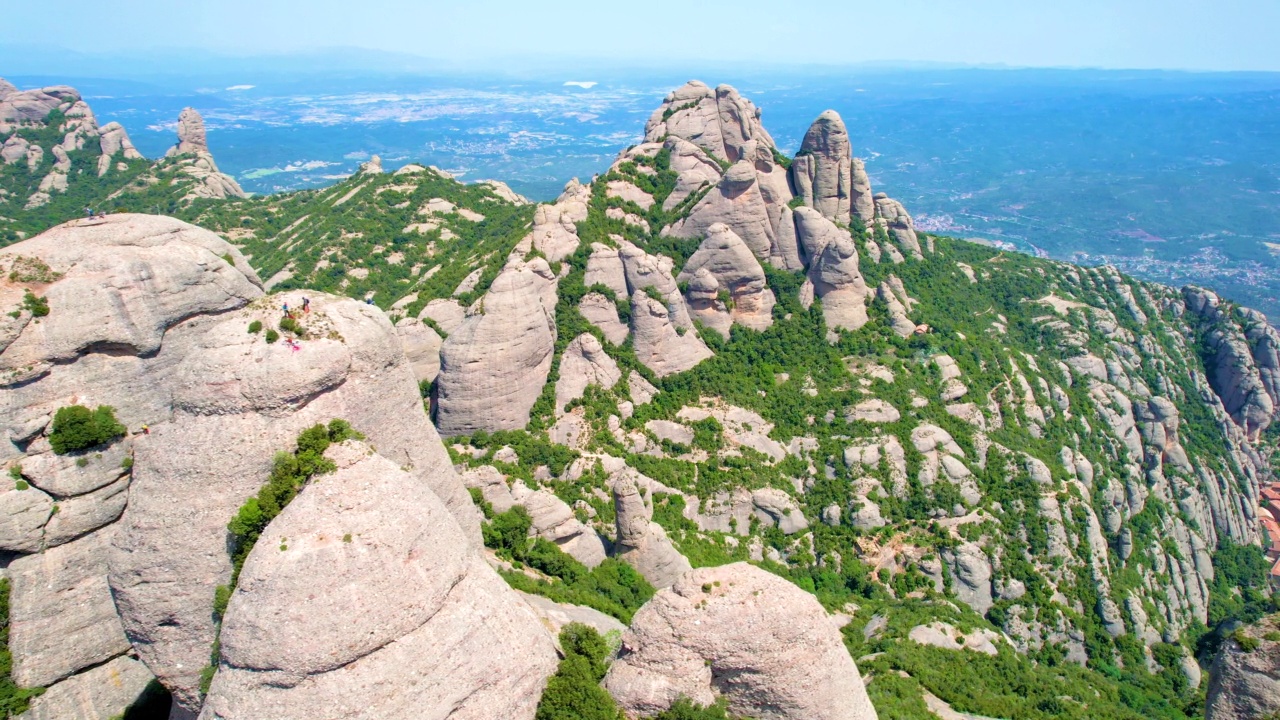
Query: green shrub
[
  {"x": 574, "y": 692},
  {"x": 288, "y": 324},
  {"x": 272, "y": 336},
  {"x": 1247, "y": 643},
  {"x": 76, "y": 427},
  {"x": 38, "y": 306},
  {"x": 685, "y": 709},
  {"x": 255, "y": 327}
]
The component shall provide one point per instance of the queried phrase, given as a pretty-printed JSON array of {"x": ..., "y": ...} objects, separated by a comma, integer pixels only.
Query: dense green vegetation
[
  {"x": 76, "y": 427},
  {"x": 613, "y": 587},
  {"x": 574, "y": 692}
]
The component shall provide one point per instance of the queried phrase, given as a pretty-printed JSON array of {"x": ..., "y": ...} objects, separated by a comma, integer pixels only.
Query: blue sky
[{"x": 1166, "y": 34}]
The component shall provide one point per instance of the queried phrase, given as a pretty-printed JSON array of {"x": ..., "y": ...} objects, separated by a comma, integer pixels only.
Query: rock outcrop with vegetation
[{"x": 1018, "y": 487}]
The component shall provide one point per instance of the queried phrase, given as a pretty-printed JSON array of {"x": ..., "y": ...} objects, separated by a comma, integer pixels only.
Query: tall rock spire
[
  {"x": 191, "y": 135},
  {"x": 826, "y": 174}
]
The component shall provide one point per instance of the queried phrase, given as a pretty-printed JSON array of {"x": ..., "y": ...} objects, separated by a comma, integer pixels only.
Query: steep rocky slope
[
  {"x": 1060, "y": 450},
  {"x": 125, "y": 543},
  {"x": 1018, "y": 488}
]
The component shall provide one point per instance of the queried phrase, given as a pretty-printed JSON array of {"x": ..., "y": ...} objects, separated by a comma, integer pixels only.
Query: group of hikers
[
  {"x": 91, "y": 215},
  {"x": 293, "y": 344}
]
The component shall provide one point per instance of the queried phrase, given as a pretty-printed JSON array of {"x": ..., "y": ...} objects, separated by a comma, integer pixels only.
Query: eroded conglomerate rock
[
  {"x": 833, "y": 274},
  {"x": 1245, "y": 683},
  {"x": 1244, "y": 369},
  {"x": 728, "y": 260},
  {"x": 752, "y": 196},
  {"x": 415, "y": 623},
  {"x": 584, "y": 363},
  {"x": 641, "y": 542},
  {"x": 551, "y": 518},
  {"x": 193, "y": 159},
  {"x": 493, "y": 365},
  {"x": 663, "y": 347},
  {"x": 740, "y": 632},
  {"x": 555, "y": 231},
  {"x": 237, "y": 401},
  {"x": 104, "y": 691},
  {"x": 894, "y": 218}
]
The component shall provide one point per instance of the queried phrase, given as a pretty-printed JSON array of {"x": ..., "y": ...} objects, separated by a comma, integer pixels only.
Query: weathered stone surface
[
  {"x": 62, "y": 619},
  {"x": 728, "y": 259},
  {"x": 737, "y": 202},
  {"x": 445, "y": 312},
  {"x": 604, "y": 267},
  {"x": 972, "y": 573},
  {"x": 555, "y": 232},
  {"x": 23, "y": 514},
  {"x": 126, "y": 279},
  {"x": 899, "y": 225},
  {"x": 20, "y": 107},
  {"x": 79, "y": 472},
  {"x": 694, "y": 170},
  {"x": 641, "y": 542},
  {"x": 663, "y": 347},
  {"x": 821, "y": 169},
  {"x": 719, "y": 121},
  {"x": 603, "y": 313},
  {"x": 740, "y": 632},
  {"x": 83, "y": 514},
  {"x": 833, "y": 270},
  {"x": 191, "y": 134},
  {"x": 421, "y": 626},
  {"x": 103, "y": 692},
  {"x": 493, "y": 366},
  {"x": 421, "y": 346},
  {"x": 873, "y": 411},
  {"x": 555, "y": 616},
  {"x": 237, "y": 401},
  {"x": 584, "y": 363},
  {"x": 775, "y": 507}
]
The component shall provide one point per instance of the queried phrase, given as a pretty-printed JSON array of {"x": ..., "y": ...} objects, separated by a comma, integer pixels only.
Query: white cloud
[
  {"x": 235, "y": 88},
  {"x": 584, "y": 84}
]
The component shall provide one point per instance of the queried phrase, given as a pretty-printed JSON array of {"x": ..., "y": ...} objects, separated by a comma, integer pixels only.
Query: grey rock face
[
  {"x": 660, "y": 344},
  {"x": 727, "y": 258},
  {"x": 833, "y": 270},
  {"x": 62, "y": 619},
  {"x": 493, "y": 366},
  {"x": 1246, "y": 685},
  {"x": 584, "y": 363},
  {"x": 237, "y": 401},
  {"x": 18, "y": 107},
  {"x": 1243, "y": 371},
  {"x": 642, "y": 543},
  {"x": 422, "y": 626},
  {"x": 972, "y": 572},
  {"x": 105, "y": 691},
  {"x": 740, "y": 632}
]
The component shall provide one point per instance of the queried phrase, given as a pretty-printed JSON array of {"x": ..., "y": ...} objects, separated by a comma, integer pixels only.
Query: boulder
[
  {"x": 642, "y": 543},
  {"x": 555, "y": 231},
  {"x": 601, "y": 312},
  {"x": 444, "y": 312},
  {"x": 237, "y": 401},
  {"x": 493, "y": 366},
  {"x": 584, "y": 363},
  {"x": 745, "y": 634},
  {"x": 123, "y": 281},
  {"x": 833, "y": 270},
  {"x": 662, "y": 346},
  {"x": 736, "y": 202},
  {"x": 821, "y": 170},
  {"x": 191, "y": 134},
  {"x": 604, "y": 267},
  {"x": 414, "y": 624},
  {"x": 898, "y": 224},
  {"x": 421, "y": 345},
  {"x": 972, "y": 574},
  {"x": 736, "y": 270}
]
